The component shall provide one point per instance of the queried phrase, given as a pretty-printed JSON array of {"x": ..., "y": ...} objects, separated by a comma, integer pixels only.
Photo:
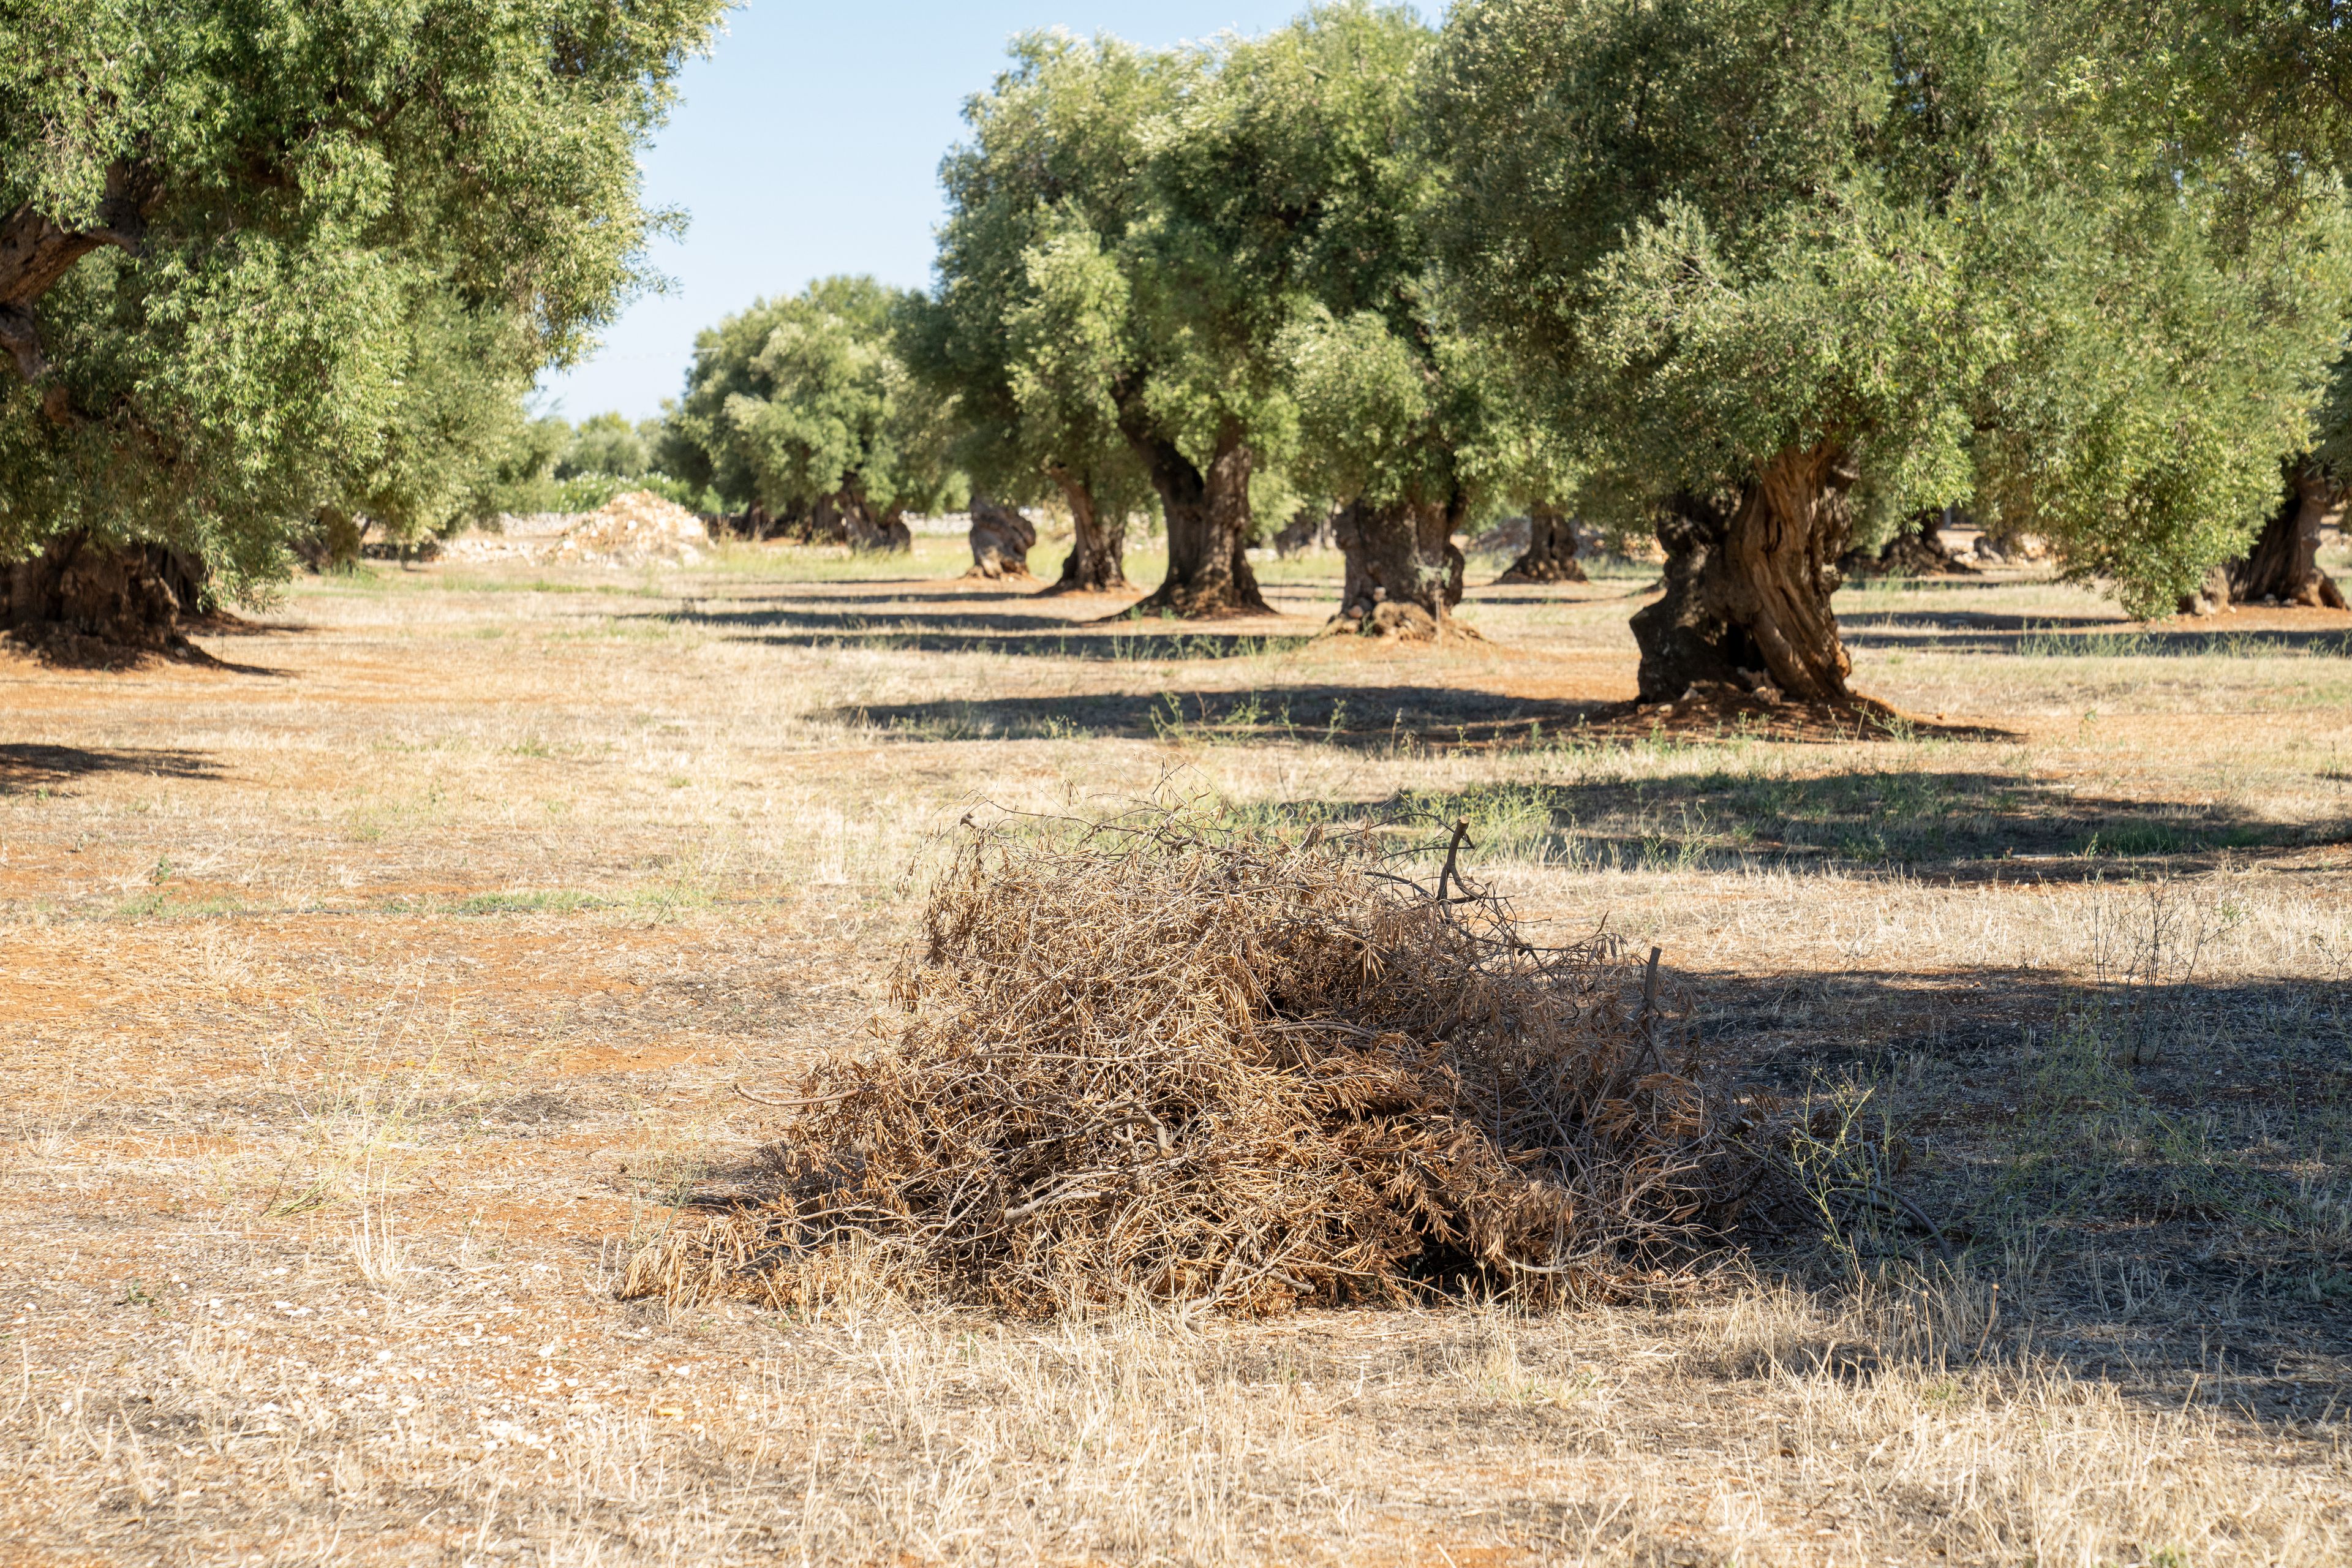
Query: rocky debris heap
[{"x": 639, "y": 529}]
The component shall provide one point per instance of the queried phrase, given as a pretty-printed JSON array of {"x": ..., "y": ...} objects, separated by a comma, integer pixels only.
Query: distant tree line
[{"x": 1768, "y": 280}]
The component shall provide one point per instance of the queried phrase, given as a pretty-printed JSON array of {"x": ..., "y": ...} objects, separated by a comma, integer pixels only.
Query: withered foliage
[{"x": 1147, "y": 1059}]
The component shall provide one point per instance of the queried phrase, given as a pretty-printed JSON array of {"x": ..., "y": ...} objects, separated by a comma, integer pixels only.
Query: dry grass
[{"x": 358, "y": 1019}]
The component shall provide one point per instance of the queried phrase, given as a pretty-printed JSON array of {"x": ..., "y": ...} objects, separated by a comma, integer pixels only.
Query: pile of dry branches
[{"x": 1145, "y": 1059}]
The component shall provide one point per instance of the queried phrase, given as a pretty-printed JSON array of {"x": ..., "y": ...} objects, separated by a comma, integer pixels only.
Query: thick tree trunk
[
  {"x": 825, "y": 522},
  {"x": 1403, "y": 570},
  {"x": 1097, "y": 563},
  {"x": 1000, "y": 540},
  {"x": 1208, "y": 518},
  {"x": 1309, "y": 528},
  {"x": 1749, "y": 580},
  {"x": 333, "y": 541},
  {"x": 846, "y": 517},
  {"x": 884, "y": 531},
  {"x": 79, "y": 601},
  {"x": 753, "y": 522},
  {"x": 1550, "y": 554},
  {"x": 2285, "y": 562},
  {"x": 1917, "y": 550}
]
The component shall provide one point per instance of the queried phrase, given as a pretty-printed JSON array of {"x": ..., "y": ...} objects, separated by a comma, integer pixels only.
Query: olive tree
[
  {"x": 2282, "y": 565},
  {"x": 1029, "y": 327},
  {"x": 1788, "y": 262},
  {"x": 1282, "y": 268},
  {"x": 2259, "y": 94},
  {"x": 1303, "y": 157},
  {"x": 804, "y": 409},
  {"x": 1040, "y": 321},
  {"x": 1132, "y": 236},
  {"x": 607, "y": 443},
  {"x": 223, "y": 223}
]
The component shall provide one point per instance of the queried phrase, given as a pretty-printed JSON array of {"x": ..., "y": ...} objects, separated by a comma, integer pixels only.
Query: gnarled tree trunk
[
  {"x": 1208, "y": 518},
  {"x": 847, "y": 517},
  {"x": 334, "y": 542},
  {"x": 1309, "y": 528},
  {"x": 1403, "y": 570},
  {"x": 2284, "y": 564},
  {"x": 1917, "y": 550},
  {"x": 1097, "y": 563},
  {"x": 1000, "y": 540},
  {"x": 1748, "y": 580},
  {"x": 886, "y": 530},
  {"x": 826, "y": 522},
  {"x": 1551, "y": 555},
  {"x": 81, "y": 602}
]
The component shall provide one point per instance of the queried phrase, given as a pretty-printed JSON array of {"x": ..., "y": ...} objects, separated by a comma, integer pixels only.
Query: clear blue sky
[{"x": 809, "y": 143}]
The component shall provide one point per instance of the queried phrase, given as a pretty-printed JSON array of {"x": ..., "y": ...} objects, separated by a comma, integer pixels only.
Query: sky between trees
[{"x": 750, "y": 177}]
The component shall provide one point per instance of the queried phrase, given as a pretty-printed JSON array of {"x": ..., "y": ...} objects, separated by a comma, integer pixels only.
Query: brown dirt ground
[{"x": 456, "y": 900}]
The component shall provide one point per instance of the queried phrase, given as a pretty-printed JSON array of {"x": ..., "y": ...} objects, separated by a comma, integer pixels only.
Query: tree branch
[{"x": 35, "y": 251}]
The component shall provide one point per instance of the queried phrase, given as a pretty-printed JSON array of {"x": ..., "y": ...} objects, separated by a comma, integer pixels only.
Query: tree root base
[
  {"x": 1401, "y": 623},
  {"x": 2319, "y": 592},
  {"x": 61, "y": 646},
  {"x": 1720, "y": 711},
  {"x": 1906, "y": 556},
  {"x": 1185, "y": 607}
]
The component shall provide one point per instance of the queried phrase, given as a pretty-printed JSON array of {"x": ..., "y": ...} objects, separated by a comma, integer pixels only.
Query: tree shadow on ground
[
  {"x": 2153, "y": 1164},
  {"x": 1950, "y": 827},
  {"x": 951, "y": 590},
  {"x": 1372, "y": 715},
  {"x": 1362, "y": 717},
  {"x": 1973, "y": 631},
  {"x": 1932, "y": 583},
  {"x": 1009, "y": 632},
  {"x": 25, "y": 766}
]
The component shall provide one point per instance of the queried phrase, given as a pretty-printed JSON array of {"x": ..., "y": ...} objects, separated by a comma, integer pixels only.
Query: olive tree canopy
[
  {"x": 1037, "y": 322},
  {"x": 803, "y": 408},
  {"x": 1132, "y": 238},
  {"x": 229, "y": 229},
  {"x": 1785, "y": 259},
  {"x": 1029, "y": 326}
]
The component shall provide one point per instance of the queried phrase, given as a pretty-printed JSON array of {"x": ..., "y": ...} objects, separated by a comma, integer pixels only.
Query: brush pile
[{"x": 1149, "y": 1060}]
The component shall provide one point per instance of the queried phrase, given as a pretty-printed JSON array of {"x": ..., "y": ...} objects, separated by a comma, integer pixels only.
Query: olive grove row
[{"x": 1767, "y": 279}]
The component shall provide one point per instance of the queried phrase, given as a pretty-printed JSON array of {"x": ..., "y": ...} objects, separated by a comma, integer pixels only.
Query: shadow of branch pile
[
  {"x": 2154, "y": 1164},
  {"x": 1145, "y": 1062},
  {"x": 1946, "y": 825}
]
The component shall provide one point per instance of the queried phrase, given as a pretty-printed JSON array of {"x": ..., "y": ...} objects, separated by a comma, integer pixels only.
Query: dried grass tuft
[{"x": 1149, "y": 1060}]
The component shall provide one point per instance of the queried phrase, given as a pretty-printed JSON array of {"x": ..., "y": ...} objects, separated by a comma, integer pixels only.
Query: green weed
[{"x": 558, "y": 902}]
